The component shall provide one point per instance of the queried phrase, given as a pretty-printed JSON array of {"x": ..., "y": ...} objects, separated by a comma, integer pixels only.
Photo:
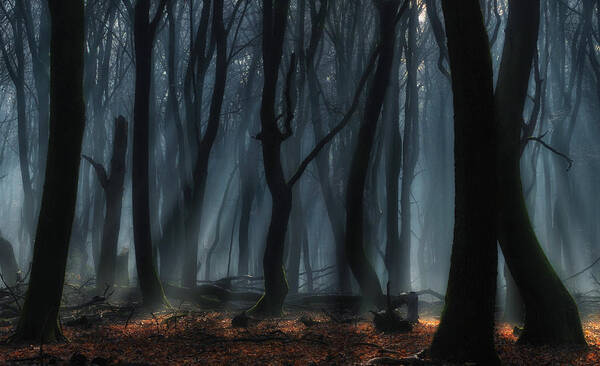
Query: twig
[
  {"x": 583, "y": 270},
  {"x": 539, "y": 139}
]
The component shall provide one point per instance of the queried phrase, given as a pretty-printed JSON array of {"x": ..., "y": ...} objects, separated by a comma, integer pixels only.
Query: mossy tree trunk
[
  {"x": 551, "y": 316},
  {"x": 39, "y": 317},
  {"x": 466, "y": 330}
]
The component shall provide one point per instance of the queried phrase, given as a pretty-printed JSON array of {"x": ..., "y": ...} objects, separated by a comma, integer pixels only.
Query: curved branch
[
  {"x": 566, "y": 157},
  {"x": 100, "y": 171},
  {"x": 325, "y": 140}
]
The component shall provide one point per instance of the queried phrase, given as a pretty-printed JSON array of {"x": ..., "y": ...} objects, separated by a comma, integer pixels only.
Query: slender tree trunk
[
  {"x": 391, "y": 115},
  {"x": 355, "y": 250},
  {"x": 466, "y": 330},
  {"x": 39, "y": 317},
  {"x": 200, "y": 172},
  {"x": 113, "y": 189},
  {"x": 276, "y": 287},
  {"x": 144, "y": 33},
  {"x": 410, "y": 149},
  {"x": 249, "y": 160}
]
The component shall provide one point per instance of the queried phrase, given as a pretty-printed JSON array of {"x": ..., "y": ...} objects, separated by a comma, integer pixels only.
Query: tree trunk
[
  {"x": 551, "y": 316},
  {"x": 249, "y": 161},
  {"x": 113, "y": 188},
  {"x": 200, "y": 172},
  {"x": 39, "y": 317},
  {"x": 391, "y": 113},
  {"x": 355, "y": 250},
  {"x": 410, "y": 149},
  {"x": 466, "y": 330},
  {"x": 144, "y": 33},
  {"x": 276, "y": 287}
]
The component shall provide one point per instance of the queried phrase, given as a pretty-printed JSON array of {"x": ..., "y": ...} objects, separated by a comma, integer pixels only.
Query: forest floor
[{"x": 121, "y": 336}]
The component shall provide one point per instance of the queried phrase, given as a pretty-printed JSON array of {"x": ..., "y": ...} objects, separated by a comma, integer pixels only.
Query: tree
[
  {"x": 271, "y": 137},
  {"x": 551, "y": 315},
  {"x": 144, "y": 33},
  {"x": 195, "y": 194},
  {"x": 274, "y": 25},
  {"x": 410, "y": 152},
  {"x": 16, "y": 72},
  {"x": 39, "y": 317},
  {"x": 466, "y": 330},
  {"x": 389, "y": 12},
  {"x": 113, "y": 189}
]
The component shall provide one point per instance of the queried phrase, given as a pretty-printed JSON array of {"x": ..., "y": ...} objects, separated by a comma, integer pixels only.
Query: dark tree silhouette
[
  {"x": 39, "y": 317},
  {"x": 200, "y": 171},
  {"x": 466, "y": 330},
  {"x": 144, "y": 32},
  {"x": 389, "y": 13},
  {"x": 113, "y": 189}
]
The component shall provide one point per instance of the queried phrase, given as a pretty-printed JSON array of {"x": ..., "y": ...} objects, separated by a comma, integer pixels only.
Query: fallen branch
[
  {"x": 94, "y": 301},
  {"x": 222, "y": 294}
]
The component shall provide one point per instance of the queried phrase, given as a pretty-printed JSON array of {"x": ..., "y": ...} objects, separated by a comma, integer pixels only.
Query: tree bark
[
  {"x": 113, "y": 189},
  {"x": 39, "y": 317},
  {"x": 410, "y": 151},
  {"x": 276, "y": 287},
  {"x": 466, "y": 330},
  {"x": 355, "y": 252},
  {"x": 144, "y": 34}
]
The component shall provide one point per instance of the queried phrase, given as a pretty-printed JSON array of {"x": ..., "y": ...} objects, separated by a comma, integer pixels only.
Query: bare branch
[
  {"x": 325, "y": 140},
  {"x": 290, "y": 100},
  {"x": 539, "y": 139},
  {"x": 100, "y": 171}
]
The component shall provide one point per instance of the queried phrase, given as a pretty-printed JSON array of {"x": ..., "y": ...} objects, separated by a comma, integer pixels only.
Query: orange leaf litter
[{"x": 208, "y": 339}]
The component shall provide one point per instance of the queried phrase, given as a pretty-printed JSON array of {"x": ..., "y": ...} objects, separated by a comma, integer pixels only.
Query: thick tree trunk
[
  {"x": 144, "y": 33},
  {"x": 113, "y": 188},
  {"x": 551, "y": 316},
  {"x": 355, "y": 251},
  {"x": 466, "y": 330},
  {"x": 39, "y": 318}
]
